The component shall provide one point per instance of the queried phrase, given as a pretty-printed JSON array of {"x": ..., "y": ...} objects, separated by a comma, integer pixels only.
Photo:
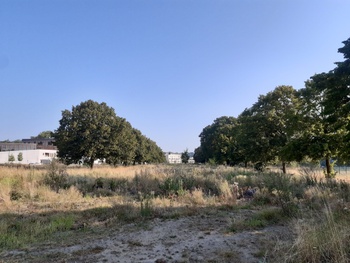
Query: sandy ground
[{"x": 204, "y": 238}]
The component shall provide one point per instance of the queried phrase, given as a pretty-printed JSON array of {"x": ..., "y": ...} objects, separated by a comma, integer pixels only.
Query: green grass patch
[
  {"x": 262, "y": 219},
  {"x": 19, "y": 231}
]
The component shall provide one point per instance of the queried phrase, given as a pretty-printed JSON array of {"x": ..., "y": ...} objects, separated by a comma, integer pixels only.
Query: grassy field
[{"x": 42, "y": 204}]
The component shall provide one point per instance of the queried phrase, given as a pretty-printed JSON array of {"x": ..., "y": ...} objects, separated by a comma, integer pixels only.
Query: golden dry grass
[{"x": 139, "y": 192}]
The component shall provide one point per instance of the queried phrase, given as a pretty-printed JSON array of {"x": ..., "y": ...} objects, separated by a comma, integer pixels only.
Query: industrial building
[{"x": 28, "y": 156}]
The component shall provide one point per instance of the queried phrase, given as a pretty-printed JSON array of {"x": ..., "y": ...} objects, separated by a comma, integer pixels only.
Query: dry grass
[
  {"x": 36, "y": 207},
  {"x": 44, "y": 202}
]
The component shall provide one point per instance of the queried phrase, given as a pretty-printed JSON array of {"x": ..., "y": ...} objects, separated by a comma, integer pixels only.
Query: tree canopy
[
  {"x": 218, "y": 142},
  {"x": 92, "y": 131},
  {"x": 185, "y": 156},
  {"x": 43, "y": 135},
  {"x": 266, "y": 129},
  {"x": 287, "y": 124}
]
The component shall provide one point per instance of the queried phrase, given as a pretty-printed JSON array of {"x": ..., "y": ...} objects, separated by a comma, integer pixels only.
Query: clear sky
[{"x": 169, "y": 67}]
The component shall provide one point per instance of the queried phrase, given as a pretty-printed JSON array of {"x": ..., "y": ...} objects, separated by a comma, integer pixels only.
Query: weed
[
  {"x": 172, "y": 186},
  {"x": 319, "y": 240},
  {"x": 259, "y": 220},
  {"x": 146, "y": 209},
  {"x": 56, "y": 176}
]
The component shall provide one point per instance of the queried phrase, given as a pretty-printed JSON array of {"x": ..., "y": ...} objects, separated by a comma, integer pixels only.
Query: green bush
[
  {"x": 172, "y": 186},
  {"x": 56, "y": 176}
]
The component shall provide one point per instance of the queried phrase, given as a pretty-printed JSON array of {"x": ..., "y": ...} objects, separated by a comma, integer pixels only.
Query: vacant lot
[{"x": 171, "y": 214}]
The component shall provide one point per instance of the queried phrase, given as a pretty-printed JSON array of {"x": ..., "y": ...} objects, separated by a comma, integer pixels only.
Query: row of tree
[
  {"x": 92, "y": 131},
  {"x": 287, "y": 125}
]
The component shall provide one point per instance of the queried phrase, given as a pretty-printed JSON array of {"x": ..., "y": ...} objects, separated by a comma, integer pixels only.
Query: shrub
[
  {"x": 56, "y": 176},
  {"x": 144, "y": 182},
  {"x": 286, "y": 190},
  {"x": 172, "y": 186}
]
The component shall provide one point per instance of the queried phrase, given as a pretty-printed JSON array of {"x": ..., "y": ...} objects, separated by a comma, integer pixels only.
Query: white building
[
  {"x": 173, "y": 157},
  {"x": 29, "y": 156}
]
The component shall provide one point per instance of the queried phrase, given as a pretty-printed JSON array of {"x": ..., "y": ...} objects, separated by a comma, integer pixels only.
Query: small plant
[
  {"x": 61, "y": 222},
  {"x": 260, "y": 220},
  {"x": 172, "y": 186},
  {"x": 11, "y": 158},
  {"x": 15, "y": 195},
  {"x": 146, "y": 205},
  {"x": 56, "y": 176},
  {"x": 99, "y": 183},
  {"x": 118, "y": 185},
  {"x": 20, "y": 157},
  {"x": 260, "y": 166}
]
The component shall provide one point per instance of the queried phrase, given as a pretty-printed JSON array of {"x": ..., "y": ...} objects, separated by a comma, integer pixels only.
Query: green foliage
[
  {"x": 218, "y": 142},
  {"x": 56, "y": 176},
  {"x": 61, "y": 222},
  {"x": 267, "y": 128},
  {"x": 185, "y": 157},
  {"x": 146, "y": 209},
  {"x": 92, "y": 131},
  {"x": 287, "y": 125},
  {"x": 44, "y": 135},
  {"x": 259, "y": 220},
  {"x": 147, "y": 151},
  {"x": 20, "y": 157},
  {"x": 171, "y": 186},
  {"x": 118, "y": 185},
  {"x": 18, "y": 231},
  {"x": 260, "y": 166},
  {"x": 11, "y": 158},
  {"x": 286, "y": 191}
]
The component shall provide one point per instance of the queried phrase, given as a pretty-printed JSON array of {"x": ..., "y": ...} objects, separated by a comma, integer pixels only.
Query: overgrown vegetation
[{"x": 39, "y": 205}]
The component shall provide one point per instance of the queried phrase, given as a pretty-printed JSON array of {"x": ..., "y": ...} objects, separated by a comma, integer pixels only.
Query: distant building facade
[
  {"x": 173, "y": 157},
  {"x": 29, "y": 156},
  {"x": 42, "y": 143},
  {"x": 16, "y": 146}
]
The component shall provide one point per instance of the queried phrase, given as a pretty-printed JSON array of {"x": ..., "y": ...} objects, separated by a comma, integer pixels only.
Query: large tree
[
  {"x": 266, "y": 129},
  {"x": 337, "y": 101},
  {"x": 147, "y": 151},
  {"x": 85, "y": 133},
  {"x": 123, "y": 143},
  {"x": 198, "y": 155},
  {"x": 218, "y": 142},
  {"x": 326, "y": 113}
]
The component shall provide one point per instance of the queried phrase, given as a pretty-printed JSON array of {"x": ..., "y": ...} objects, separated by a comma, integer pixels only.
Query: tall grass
[
  {"x": 319, "y": 238},
  {"x": 40, "y": 204}
]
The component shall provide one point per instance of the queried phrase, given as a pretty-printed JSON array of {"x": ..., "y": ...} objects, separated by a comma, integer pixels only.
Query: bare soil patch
[{"x": 199, "y": 238}]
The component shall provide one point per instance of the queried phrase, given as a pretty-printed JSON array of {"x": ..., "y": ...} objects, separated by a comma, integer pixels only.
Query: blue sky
[{"x": 170, "y": 67}]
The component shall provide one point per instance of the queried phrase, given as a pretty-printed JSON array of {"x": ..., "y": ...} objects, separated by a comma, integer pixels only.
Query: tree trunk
[
  {"x": 91, "y": 163},
  {"x": 284, "y": 167},
  {"x": 328, "y": 167}
]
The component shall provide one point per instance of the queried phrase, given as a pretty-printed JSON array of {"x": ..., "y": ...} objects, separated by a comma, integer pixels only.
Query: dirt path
[{"x": 203, "y": 238}]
